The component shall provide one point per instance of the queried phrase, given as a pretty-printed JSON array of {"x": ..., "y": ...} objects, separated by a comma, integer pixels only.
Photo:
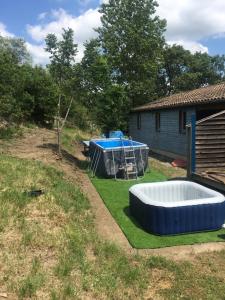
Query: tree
[
  {"x": 111, "y": 109},
  {"x": 27, "y": 94},
  {"x": 10, "y": 79},
  {"x": 175, "y": 63},
  {"x": 39, "y": 84},
  {"x": 106, "y": 100},
  {"x": 62, "y": 56},
  {"x": 131, "y": 36},
  {"x": 16, "y": 47},
  {"x": 210, "y": 68},
  {"x": 96, "y": 74},
  {"x": 182, "y": 71}
]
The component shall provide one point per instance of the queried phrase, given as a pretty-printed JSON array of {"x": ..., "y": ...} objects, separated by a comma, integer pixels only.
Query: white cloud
[
  {"x": 191, "y": 46},
  {"x": 189, "y": 21},
  {"x": 38, "y": 53},
  {"x": 4, "y": 32},
  {"x": 82, "y": 25},
  {"x": 103, "y": 2}
]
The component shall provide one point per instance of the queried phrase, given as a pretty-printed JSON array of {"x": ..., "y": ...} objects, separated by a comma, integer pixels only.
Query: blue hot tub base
[{"x": 176, "y": 220}]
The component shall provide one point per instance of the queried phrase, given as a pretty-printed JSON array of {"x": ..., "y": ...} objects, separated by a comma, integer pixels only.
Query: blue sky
[
  {"x": 215, "y": 45},
  {"x": 197, "y": 25},
  {"x": 16, "y": 14}
]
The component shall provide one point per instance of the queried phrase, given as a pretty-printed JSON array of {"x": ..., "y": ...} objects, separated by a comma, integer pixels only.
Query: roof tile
[{"x": 204, "y": 95}]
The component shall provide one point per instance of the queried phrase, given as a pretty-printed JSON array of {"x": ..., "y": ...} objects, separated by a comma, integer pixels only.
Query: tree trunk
[
  {"x": 59, "y": 142},
  {"x": 67, "y": 113},
  {"x": 58, "y": 127}
]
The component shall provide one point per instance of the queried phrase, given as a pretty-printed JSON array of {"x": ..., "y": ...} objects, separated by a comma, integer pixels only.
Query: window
[
  {"x": 182, "y": 121},
  {"x": 157, "y": 121},
  {"x": 138, "y": 121}
]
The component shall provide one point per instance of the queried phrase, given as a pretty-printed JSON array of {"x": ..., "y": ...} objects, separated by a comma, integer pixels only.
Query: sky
[{"x": 197, "y": 25}]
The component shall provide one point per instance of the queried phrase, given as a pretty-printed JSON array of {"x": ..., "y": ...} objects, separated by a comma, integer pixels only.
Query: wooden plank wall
[{"x": 210, "y": 143}]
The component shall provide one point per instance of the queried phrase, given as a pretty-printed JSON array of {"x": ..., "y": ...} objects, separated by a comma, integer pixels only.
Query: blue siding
[{"x": 169, "y": 138}]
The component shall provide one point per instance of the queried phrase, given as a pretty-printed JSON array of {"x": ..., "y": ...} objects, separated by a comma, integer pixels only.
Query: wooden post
[
  {"x": 193, "y": 137},
  {"x": 189, "y": 147}
]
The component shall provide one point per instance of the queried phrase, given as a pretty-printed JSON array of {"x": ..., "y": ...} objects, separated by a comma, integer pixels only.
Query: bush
[{"x": 6, "y": 133}]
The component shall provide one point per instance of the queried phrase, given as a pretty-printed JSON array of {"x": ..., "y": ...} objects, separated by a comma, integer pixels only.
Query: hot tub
[
  {"x": 175, "y": 207},
  {"x": 107, "y": 156}
]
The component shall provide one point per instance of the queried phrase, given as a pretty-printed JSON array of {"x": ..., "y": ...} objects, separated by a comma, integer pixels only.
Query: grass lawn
[{"x": 115, "y": 196}]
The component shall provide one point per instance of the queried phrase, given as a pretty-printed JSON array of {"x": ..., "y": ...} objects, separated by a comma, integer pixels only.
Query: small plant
[
  {"x": 27, "y": 238},
  {"x": 69, "y": 291},
  {"x": 64, "y": 267},
  {"x": 54, "y": 295},
  {"x": 32, "y": 282},
  {"x": 7, "y": 133}
]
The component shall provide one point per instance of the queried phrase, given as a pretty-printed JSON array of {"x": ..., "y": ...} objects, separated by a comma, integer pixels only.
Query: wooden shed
[
  {"x": 206, "y": 153},
  {"x": 162, "y": 124}
]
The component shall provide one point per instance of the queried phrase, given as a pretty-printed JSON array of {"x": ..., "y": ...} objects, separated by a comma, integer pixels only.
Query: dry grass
[{"x": 166, "y": 168}]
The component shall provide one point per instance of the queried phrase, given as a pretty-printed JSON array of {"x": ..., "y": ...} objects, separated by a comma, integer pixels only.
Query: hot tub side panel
[{"x": 176, "y": 220}]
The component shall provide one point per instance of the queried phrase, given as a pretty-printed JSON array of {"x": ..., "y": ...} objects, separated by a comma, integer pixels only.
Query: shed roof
[{"x": 204, "y": 95}]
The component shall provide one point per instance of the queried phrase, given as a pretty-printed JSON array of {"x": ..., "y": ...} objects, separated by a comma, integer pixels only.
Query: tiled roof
[{"x": 204, "y": 95}]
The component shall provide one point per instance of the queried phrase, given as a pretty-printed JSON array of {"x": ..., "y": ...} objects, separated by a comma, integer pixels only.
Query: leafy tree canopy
[
  {"x": 26, "y": 93},
  {"x": 131, "y": 36},
  {"x": 62, "y": 54},
  {"x": 16, "y": 47},
  {"x": 181, "y": 70}
]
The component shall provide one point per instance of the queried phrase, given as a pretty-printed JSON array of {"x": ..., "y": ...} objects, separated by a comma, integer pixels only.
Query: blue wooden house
[{"x": 162, "y": 124}]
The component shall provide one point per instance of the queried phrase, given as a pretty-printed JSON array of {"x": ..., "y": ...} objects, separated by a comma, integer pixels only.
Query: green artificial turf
[{"x": 116, "y": 198}]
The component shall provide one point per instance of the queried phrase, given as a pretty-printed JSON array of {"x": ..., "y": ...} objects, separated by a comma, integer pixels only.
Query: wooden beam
[
  {"x": 208, "y": 182},
  {"x": 193, "y": 141}
]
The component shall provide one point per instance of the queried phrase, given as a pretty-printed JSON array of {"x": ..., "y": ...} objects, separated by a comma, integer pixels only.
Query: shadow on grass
[
  {"x": 126, "y": 210},
  {"x": 163, "y": 158},
  {"x": 81, "y": 164},
  {"x": 221, "y": 236}
]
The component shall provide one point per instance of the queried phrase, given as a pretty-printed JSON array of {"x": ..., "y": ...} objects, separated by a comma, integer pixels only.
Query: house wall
[{"x": 169, "y": 139}]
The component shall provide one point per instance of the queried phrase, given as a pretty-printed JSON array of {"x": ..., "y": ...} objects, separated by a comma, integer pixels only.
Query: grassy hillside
[
  {"x": 49, "y": 246},
  {"x": 51, "y": 250}
]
